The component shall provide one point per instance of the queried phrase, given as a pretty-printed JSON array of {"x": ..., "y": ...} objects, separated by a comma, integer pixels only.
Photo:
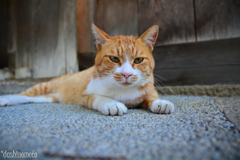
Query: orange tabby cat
[{"x": 121, "y": 78}]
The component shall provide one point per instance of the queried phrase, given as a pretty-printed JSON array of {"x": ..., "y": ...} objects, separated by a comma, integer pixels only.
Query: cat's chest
[{"x": 127, "y": 95}]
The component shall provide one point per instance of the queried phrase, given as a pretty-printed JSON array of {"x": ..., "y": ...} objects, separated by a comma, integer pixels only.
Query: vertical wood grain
[
  {"x": 47, "y": 58},
  {"x": 68, "y": 14},
  {"x": 46, "y": 37},
  {"x": 86, "y": 15},
  {"x": 12, "y": 34},
  {"x": 24, "y": 32},
  {"x": 3, "y": 33},
  {"x": 217, "y": 19},
  {"x": 118, "y": 17},
  {"x": 175, "y": 19}
]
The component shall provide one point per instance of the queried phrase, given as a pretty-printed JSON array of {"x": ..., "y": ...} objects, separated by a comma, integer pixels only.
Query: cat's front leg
[
  {"x": 108, "y": 106},
  {"x": 155, "y": 105}
]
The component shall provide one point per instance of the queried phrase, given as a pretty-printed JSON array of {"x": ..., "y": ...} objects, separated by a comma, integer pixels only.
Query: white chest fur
[{"x": 108, "y": 88}]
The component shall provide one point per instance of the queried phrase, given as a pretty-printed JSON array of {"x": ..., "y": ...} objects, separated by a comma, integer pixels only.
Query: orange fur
[{"x": 77, "y": 88}]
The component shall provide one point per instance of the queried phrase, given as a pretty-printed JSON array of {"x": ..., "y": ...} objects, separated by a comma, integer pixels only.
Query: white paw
[
  {"x": 162, "y": 106},
  {"x": 6, "y": 101},
  {"x": 113, "y": 108}
]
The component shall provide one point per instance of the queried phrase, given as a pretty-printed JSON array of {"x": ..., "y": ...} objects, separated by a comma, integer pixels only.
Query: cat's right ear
[
  {"x": 100, "y": 36},
  {"x": 150, "y": 36}
]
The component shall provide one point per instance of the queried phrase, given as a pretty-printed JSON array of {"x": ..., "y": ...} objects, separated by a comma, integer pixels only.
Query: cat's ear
[
  {"x": 150, "y": 36},
  {"x": 100, "y": 36}
]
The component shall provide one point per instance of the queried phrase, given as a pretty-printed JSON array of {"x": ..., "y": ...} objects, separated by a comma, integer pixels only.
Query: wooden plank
[
  {"x": 175, "y": 20},
  {"x": 199, "y": 63},
  {"x": 3, "y": 33},
  {"x": 48, "y": 46},
  {"x": 217, "y": 19},
  {"x": 200, "y": 76},
  {"x": 3, "y": 55},
  {"x": 118, "y": 17},
  {"x": 86, "y": 15},
  {"x": 24, "y": 32},
  {"x": 12, "y": 34},
  {"x": 68, "y": 29},
  {"x": 46, "y": 37}
]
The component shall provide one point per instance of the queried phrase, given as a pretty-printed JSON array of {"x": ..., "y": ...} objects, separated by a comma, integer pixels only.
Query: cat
[{"x": 121, "y": 78}]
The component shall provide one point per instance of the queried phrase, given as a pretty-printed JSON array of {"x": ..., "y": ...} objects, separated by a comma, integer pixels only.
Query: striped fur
[{"x": 121, "y": 78}]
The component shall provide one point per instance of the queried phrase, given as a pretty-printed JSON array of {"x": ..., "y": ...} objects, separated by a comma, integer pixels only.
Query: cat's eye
[
  {"x": 138, "y": 60},
  {"x": 114, "y": 59}
]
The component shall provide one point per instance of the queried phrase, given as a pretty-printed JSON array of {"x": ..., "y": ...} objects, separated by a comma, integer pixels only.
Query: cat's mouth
[{"x": 125, "y": 84}]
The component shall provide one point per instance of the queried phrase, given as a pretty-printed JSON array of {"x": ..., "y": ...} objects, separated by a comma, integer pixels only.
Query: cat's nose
[{"x": 126, "y": 75}]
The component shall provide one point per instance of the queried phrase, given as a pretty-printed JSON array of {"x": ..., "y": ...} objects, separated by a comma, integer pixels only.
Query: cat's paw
[
  {"x": 162, "y": 106},
  {"x": 113, "y": 108},
  {"x": 5, "y": 101}
]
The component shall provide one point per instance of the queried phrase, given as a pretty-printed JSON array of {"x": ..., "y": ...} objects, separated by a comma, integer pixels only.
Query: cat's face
[{"x": 125, "y": 60}]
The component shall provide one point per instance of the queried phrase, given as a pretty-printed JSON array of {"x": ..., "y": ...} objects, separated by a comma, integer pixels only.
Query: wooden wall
[
  {"x": 217, "y": 19},
  {"x": 209, "y": 62},
  {"x": 198, "y": 41},
  {"x": 3, "y": 33},
  {"x": 43, "y": 36},
  {"x": 179, "y": 22},
  {"x": 174, "y": 18}
]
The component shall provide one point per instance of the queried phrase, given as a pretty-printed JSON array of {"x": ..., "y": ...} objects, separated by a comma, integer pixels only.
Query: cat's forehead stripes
[{"x": 125, "y": 46}]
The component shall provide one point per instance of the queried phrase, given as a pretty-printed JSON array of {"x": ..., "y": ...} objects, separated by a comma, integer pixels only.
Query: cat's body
[{"x": 121, "y": 78}]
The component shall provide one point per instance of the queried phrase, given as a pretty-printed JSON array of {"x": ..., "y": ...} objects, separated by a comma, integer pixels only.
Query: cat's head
[{"x": 125, "y": 60}]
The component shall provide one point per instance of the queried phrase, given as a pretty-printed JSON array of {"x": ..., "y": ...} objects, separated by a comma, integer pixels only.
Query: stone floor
[{"x": 201, "y": 127}]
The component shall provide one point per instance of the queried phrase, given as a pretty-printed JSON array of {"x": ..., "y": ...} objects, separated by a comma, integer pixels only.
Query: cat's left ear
[
  {"x": 100, "y": 36},
  {"x": 150, "y": 36}
]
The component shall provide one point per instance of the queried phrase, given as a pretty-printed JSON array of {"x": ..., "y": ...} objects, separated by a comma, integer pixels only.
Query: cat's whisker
[
  {"x": 85, "y": 66},
  {"x": 159, "y": 77},
  {"x": 158, "y": 82}
]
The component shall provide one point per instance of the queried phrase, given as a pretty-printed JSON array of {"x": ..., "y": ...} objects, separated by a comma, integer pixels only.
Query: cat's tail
[
  {"x": 39, "y": 89},
  {"x": 46, "y": 88},
  {"x": 40, "y": 93}
]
